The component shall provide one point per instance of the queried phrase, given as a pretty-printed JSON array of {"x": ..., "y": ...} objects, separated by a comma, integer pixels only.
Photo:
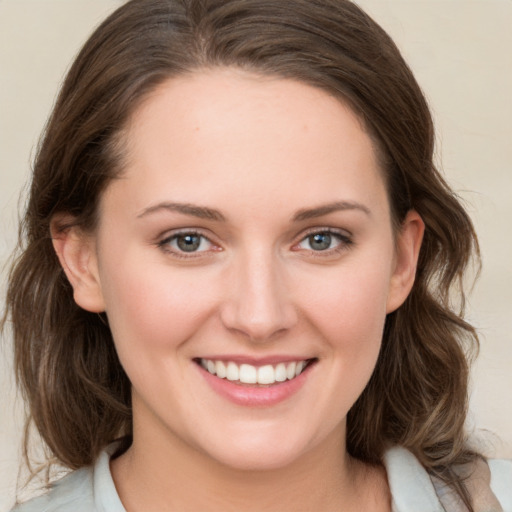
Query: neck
[{"x": 170, "y": 476}]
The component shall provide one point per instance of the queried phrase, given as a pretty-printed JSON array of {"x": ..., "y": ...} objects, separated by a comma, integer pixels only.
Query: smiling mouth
[{"x": 247, "y": 374}]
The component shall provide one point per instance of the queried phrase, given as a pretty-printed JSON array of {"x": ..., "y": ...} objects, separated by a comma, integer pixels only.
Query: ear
[
  {"x": 76, "y": 251},
  {"x": 408, "y": 244}
]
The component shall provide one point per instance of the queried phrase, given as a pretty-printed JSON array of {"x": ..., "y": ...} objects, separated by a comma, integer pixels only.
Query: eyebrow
[
  {"x": 319, "y": 211},
  {"x": 204, "y": 212},
  {"x": 186, "y": 209}
]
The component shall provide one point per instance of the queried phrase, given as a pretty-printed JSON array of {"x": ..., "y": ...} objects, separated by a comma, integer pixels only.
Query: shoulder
[
  {"x": 88, "y": 489},
  {"x": 501, "y": 481},
  {"x": 74, "y": 492},
  {"x": 412, "y": 486}
]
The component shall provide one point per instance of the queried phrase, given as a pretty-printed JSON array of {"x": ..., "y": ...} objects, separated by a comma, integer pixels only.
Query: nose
[{"x": 258, "y": 304}]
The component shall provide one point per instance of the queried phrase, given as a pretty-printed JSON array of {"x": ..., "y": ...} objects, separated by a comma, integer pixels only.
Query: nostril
[
  {"x": 258, "y": 303},
  {"x": 258, "y": 324}
]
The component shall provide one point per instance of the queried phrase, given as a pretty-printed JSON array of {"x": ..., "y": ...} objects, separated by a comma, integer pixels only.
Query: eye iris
[
  {"x": 188, "y": 243},
  {"x": 320, "y": 241}
]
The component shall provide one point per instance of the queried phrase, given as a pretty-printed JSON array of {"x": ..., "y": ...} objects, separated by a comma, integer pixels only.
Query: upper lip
[{"x": 256, "y": 361}]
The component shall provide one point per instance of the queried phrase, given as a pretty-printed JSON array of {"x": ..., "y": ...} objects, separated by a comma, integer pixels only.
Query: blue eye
[
  {"x": 323, "y": 241},
  {"x": 187, "y": 243},
  {"x": 320, "y": 241}
]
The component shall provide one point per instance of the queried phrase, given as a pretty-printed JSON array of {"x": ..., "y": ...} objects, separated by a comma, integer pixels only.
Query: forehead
[
  {"x": 215, "y": 99},
  {"x": 228, "y": 134}
]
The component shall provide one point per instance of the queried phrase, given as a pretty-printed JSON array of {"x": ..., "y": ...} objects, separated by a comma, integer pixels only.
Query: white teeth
[
  {"x": 290, "y": 370},
  {"x": 220, "y": 369},
  {"x": 281, "y": 372},
  {"x": 210, "y": 366},
  {"x": 266, "y": 374},
  {"x": 232, "y": 372},
  {"x": 249, "y": 374}
]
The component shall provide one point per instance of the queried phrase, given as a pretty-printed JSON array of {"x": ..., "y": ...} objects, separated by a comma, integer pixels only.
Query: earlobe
[
  {"x": 77, "y": 256},
  {"x": 408, "y": 246}
]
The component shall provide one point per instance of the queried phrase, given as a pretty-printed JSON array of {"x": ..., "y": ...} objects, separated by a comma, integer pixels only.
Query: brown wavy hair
[{"x": 66, "y": 363}]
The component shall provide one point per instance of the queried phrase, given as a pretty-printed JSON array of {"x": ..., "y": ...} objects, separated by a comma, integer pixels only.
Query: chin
[
  {"x": 260, "y": 453},
  {"x": 258, "y": 460}
]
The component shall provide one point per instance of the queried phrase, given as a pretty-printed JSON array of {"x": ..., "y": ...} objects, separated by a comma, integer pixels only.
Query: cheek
[
  {"x": 348, "y": 311},
  {"x": 343, "y": 312},
  {"x": 349, "y": 304},
  {"x": 151, "y": 311}
]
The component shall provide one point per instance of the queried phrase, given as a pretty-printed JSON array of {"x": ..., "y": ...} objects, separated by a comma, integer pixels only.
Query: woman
[{"x": 243, "y": 303}]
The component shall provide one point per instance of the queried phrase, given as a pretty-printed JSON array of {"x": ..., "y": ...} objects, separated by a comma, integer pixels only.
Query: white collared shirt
[{"x": 92, "y": 489}]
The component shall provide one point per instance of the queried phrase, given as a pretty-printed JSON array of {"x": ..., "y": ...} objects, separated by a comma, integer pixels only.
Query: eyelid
[
  {"x": 164, "y": 243},
  {"x": 342, "y": 233},
  {"x": 344, "y": 236}
]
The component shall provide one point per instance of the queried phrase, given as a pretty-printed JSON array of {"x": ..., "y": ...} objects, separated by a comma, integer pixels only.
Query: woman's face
[{"x": 249, "y": 235}]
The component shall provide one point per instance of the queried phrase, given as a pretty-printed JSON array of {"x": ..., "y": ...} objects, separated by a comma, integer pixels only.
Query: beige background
[{"x": 461, "y": 53}]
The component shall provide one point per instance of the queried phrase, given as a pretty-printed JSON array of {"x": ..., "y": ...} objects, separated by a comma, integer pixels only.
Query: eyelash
[
  {"x": 166, "y": 247},
  {"x": 344, "y": 243}
]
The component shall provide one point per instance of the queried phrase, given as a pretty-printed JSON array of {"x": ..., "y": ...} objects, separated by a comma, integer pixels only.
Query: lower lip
[{"x": 253, "y": 396}]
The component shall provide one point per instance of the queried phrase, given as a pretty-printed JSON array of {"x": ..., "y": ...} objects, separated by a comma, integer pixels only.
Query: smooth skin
[{"x": 251, "y": 218}]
